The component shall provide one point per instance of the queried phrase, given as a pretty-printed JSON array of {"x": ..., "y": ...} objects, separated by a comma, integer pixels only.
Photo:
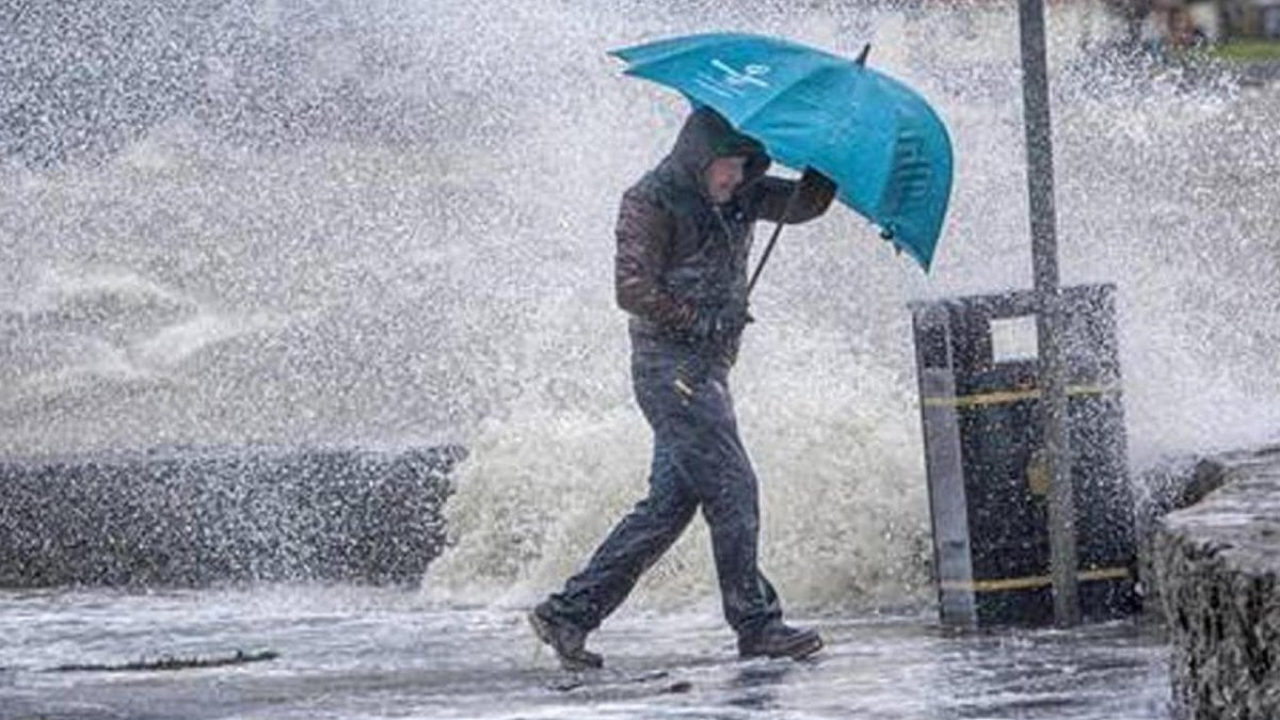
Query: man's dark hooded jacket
[{"x": 680, "y": 255}]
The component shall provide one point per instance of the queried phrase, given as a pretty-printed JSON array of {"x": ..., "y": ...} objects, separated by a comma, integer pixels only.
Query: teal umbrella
[{"x": 878, "y": 140}]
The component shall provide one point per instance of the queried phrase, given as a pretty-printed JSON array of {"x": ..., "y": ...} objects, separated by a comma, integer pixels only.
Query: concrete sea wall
[
  {"x": 192, "y": 517},
  {"x": 1214, "y": 565}
]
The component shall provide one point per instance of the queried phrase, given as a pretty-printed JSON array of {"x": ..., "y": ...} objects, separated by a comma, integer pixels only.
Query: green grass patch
[{"x": 1248, "y": 50}]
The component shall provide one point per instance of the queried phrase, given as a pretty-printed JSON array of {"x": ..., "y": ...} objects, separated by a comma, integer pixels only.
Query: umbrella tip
[{"x": 862, "y": 56}]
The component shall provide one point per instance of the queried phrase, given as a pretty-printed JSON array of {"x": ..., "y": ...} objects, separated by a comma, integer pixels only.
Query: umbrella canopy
[{"x": 880, "y": 142}]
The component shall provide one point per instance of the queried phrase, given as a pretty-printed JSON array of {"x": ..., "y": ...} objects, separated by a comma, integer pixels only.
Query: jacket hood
[{"x": 706, "y": 135}]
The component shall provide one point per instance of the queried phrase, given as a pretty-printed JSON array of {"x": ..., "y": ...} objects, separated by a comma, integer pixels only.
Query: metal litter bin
[{"x": 988, "y": 485}]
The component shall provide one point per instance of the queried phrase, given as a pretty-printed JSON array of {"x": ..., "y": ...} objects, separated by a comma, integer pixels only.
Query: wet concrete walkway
[{"x": 360, "y": 653}]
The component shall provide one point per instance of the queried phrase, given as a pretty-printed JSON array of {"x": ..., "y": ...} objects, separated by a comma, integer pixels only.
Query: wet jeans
[{"x": 698, "y": 461}]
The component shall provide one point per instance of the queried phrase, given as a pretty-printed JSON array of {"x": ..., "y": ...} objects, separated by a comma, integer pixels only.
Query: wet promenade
[{"x": 358, "y": 653}]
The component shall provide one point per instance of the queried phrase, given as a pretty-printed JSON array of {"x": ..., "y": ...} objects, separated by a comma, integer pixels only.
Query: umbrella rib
[{"x": 763, "y": 106}]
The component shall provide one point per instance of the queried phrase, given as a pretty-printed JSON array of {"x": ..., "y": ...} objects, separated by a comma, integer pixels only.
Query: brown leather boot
[
  {"x": 778, "y": 639},
  {"x": 568, "y": 640}
]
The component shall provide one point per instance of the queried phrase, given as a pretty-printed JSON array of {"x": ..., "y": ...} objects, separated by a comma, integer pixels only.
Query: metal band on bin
[
  {"x": 1012, "y": 396},
  {"x": 1032, "y": 581}
]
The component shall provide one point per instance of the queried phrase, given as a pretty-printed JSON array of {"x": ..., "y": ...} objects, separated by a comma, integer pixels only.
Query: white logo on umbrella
[{"x": 749, "y": 75}]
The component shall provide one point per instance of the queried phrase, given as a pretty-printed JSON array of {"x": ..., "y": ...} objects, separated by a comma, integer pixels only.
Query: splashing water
[{"x": 386, "y": 223}]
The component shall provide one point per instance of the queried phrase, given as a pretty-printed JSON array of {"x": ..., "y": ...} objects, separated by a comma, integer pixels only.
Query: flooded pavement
[{"x": 364, "y": 653}]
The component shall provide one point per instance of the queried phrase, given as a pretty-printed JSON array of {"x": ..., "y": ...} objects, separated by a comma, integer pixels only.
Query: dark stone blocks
[{"x": 197, "y": 516}]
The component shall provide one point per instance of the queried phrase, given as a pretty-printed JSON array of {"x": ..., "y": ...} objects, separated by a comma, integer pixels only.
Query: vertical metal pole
[{"x": 1044, "y": 251}]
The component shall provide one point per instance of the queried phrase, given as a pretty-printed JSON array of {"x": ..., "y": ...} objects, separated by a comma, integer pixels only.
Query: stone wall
[
  {"x": 1215, "y": 566},
  {"x": 192, "y": 517},
  {"x": 1174, "y": 484}
]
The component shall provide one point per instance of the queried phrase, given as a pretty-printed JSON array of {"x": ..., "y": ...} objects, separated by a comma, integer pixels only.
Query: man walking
[{"x": 684, "y": 237}]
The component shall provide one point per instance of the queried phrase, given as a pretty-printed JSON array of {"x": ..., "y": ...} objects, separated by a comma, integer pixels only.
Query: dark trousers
[{"x": 698, "y": 461}]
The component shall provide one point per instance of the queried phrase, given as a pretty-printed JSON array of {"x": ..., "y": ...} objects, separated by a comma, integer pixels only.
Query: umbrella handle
[{"x": 777, "y": 230}]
